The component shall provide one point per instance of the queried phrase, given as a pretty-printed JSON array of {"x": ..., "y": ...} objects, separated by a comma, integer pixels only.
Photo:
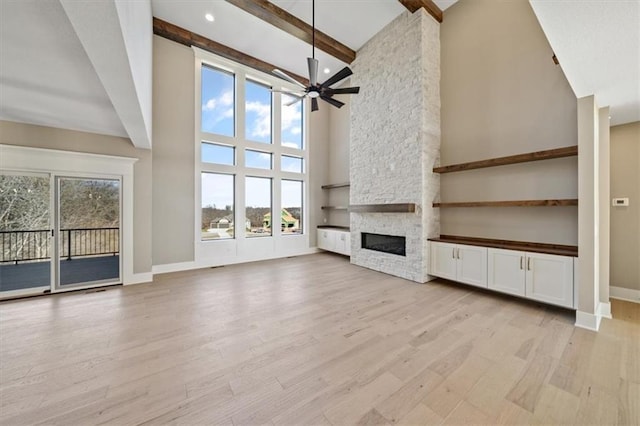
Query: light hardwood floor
[{"x": 311, "y": 340}]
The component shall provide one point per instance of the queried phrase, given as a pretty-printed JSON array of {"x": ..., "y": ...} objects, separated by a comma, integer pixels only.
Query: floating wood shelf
[
  {"x": 334, "y": 208},
  {"x": 517, "y": 203},
  {"x": 336, "y": 185},
  {"x": 341, "y": 228},
  {"x": 558, "y": 249},
  {"x": 512, "y": 159},
  {"x": 383, "y": 208}
]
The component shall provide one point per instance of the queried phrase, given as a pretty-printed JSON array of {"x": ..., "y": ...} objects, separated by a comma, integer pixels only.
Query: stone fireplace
[{"x": 395, "y": 142}]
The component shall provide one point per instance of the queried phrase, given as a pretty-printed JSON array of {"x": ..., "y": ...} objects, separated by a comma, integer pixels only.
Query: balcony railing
[{"x": 23, "y": 246}]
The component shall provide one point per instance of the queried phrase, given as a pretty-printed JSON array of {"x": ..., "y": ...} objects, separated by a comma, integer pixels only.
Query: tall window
[
  {"x": 217, "y": 206},
  {"x": 257, "y": 112},
  {"x": 252, "y": 154},
  {"x": 291, "y": 134},
  {"x": 258, "y": 206},
  {"x": 292, "y": 196},
  {"x": 218, "y": 101}
]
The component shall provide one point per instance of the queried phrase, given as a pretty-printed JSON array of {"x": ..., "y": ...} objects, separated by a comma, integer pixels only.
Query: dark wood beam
[
  {"x": 429, "y": 6},
  {"x": 282, "y": 19},
  {"x": 187, "y": 38}
]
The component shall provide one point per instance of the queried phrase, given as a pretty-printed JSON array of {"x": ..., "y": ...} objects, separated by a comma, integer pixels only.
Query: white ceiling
[
  {"x": 352, "y": 23},
  {"x": 46, "y": 77},
  {"x": 598, "y": 46},
  {"x": 83, "y": 66},
  {"x": 242, "y": 31}
]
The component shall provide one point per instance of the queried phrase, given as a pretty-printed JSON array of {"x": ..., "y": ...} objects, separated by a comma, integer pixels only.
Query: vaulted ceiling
[{"x": 52, "y": 63}]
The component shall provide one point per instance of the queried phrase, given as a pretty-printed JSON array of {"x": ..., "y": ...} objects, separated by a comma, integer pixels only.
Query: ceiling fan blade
[
  {"x": 340, "y": 75},
  {"x": 313, "y": 71},
  {"x": 314, "y": 104},
  {"x": 288, "y": 92},
  {"x": 342, "y": 91},
  {"x": 294, "y": 101},
  {"x": 336, "y": 103},
  {"x": 288, "y": 78}
]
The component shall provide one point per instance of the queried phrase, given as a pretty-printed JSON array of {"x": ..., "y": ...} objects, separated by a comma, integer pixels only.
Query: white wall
[
  {"x": 173, "y": 153},
  {"x": 625, "y": 221}
]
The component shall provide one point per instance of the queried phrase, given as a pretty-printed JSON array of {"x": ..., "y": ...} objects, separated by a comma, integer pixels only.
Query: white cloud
[
  {"x": 217, "y": 109},
  {"x": 224, "y": 100},
  {"x": 261, "y": 126},
  {"x": 291, "y": 115}
]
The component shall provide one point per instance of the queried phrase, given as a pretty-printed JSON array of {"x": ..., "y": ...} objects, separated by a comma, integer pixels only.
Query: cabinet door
[
  {"x": 342, "y": 242},
  {"x": 472, "y": 265},
  {"x": 550, "y": 279},
  {"x": 443, "y": 260},
  {"x": 507, "y": 271},
  {"x": 326, "y": 239}
]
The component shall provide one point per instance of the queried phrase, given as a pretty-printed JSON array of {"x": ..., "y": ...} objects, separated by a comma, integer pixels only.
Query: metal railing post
[{"x": 68, "y": 244}]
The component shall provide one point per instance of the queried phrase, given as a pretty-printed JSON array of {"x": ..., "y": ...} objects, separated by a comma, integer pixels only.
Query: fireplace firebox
[{"x": 391, "y": 244}]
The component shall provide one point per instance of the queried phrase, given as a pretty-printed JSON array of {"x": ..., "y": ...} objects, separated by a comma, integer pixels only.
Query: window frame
[{"x": 242, "y": 74}]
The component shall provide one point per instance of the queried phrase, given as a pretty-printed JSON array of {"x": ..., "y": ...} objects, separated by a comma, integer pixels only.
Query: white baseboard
[
  {"x": 588, "y": 321},
  {"x": 144, "y": 277},
  {"x": 173, "y": 267},
  {"x": 623, "y": 293},
  {"x": 604, "y": 310}
]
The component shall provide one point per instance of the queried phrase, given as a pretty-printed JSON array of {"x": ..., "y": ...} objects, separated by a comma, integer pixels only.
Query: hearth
[{"x": 391, "y": 244}]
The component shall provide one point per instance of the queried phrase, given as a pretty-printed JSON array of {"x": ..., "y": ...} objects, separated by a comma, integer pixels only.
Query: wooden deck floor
[
  {"x": 38, "y": 274},
  {"x": 311, "y": 340}
]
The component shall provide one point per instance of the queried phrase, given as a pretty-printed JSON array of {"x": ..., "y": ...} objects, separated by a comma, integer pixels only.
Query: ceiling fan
[{"x": 317, "y": 90}]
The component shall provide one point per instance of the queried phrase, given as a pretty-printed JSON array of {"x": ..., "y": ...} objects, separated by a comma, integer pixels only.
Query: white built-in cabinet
[
  {"x": 546, "y": 278},
  {"x": 335, "y": 240},
  {"x": 458, "y": 262}
]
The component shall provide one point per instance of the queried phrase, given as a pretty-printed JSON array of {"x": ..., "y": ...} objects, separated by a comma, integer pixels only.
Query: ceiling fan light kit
[{"x": 317, "y": 90}]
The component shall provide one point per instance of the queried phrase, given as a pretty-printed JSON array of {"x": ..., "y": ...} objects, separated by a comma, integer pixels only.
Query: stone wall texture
[{"x": 395, "y": 141}]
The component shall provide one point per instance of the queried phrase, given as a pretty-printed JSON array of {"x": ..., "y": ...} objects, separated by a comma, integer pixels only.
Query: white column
[
  {"x": 588, "y": 215},
  {"x": 604, "y": 307}
]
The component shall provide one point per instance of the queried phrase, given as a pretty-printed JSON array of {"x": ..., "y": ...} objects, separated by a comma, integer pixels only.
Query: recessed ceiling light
[
  {"x": 209, "y": 17},
  {"x": 327, "y": 70}
]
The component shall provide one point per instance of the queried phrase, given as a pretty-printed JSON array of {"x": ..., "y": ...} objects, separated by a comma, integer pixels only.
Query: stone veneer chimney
[{"x": 395, "y": 141}]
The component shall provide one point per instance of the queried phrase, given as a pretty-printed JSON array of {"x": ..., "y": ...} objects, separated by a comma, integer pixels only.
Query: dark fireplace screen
[{"x": 384, "y": 243}]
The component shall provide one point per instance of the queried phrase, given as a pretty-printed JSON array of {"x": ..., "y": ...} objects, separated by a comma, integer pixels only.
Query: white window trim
[
  {"x": 240, "y": 249},
  {"x": 40, "y": 160}
]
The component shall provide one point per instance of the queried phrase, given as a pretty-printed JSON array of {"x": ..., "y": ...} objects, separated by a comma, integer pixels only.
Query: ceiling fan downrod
[{"x": 317, "y": 90}]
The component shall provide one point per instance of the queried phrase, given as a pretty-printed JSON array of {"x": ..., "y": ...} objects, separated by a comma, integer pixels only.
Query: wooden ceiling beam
[
  {"x": 285, "y": 21},
  {"x": 180, "y": 35},
  {"x": 429, "y": 6}
]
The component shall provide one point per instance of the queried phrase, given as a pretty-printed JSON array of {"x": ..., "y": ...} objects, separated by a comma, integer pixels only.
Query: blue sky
[{"x": 218, "y": 110}]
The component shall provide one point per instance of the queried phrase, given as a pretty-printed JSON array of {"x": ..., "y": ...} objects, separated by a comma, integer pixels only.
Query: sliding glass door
[
  {"x": 58, "y": 233},
  {"x": 88, "y": 230},
  {"x": 25, "y": 233}
]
